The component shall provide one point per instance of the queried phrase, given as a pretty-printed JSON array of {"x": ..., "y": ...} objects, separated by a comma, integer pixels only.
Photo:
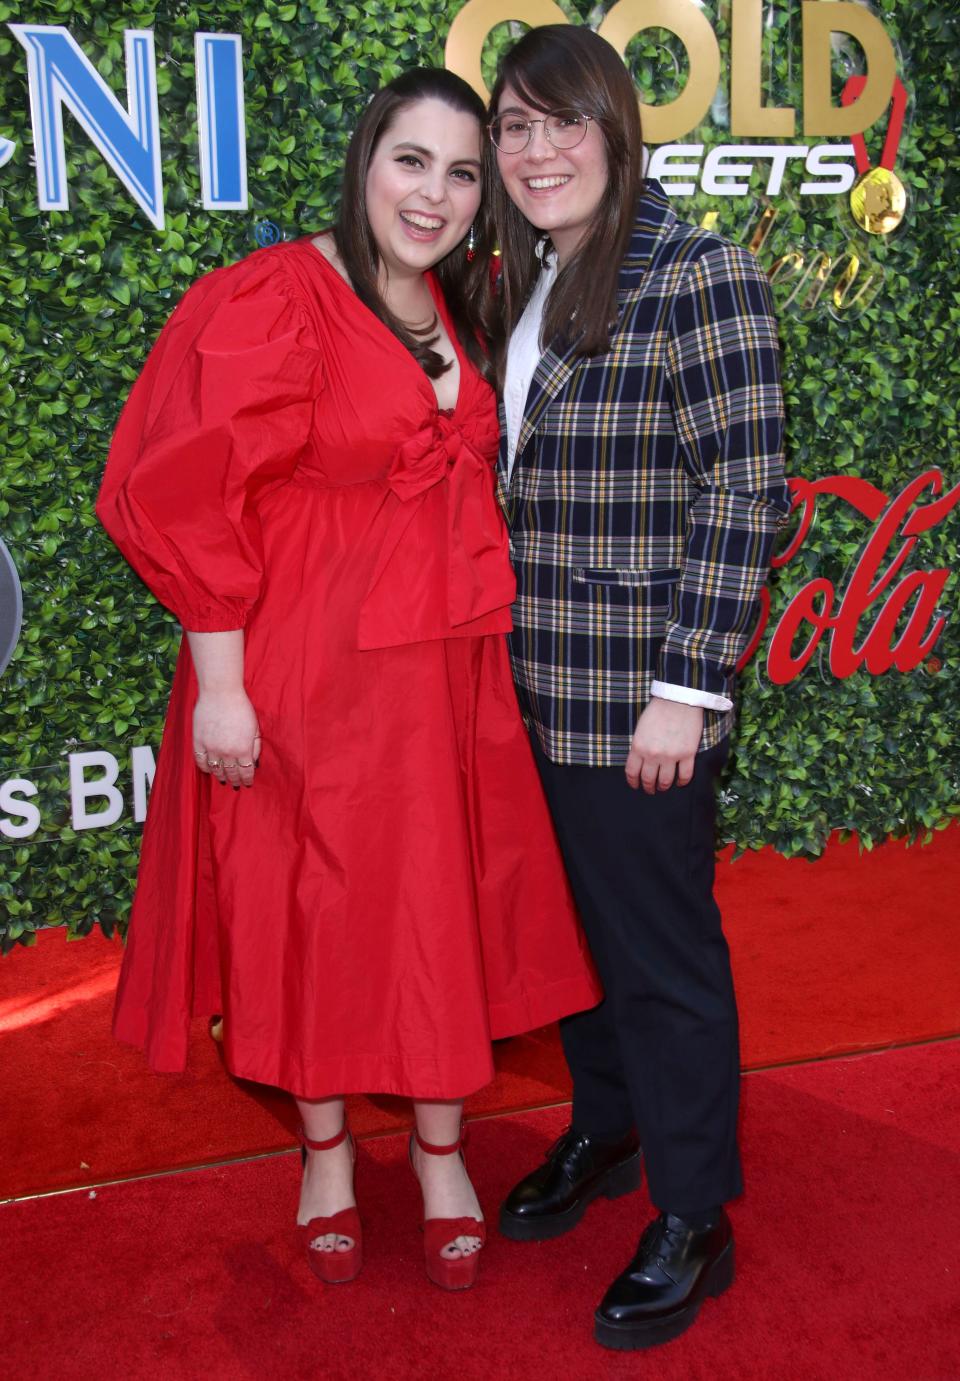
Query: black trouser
[{"x": 661, "y": 1051}]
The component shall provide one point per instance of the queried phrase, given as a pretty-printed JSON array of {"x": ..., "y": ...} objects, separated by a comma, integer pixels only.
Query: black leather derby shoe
[
  {"x": 660, "y": 1293},
  {"x": 578, "y": 1169}
]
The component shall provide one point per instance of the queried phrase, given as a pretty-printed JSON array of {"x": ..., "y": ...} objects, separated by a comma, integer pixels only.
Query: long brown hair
[
  {"x": 465, "y": 284},
  {"x": 567, "y": 66}
]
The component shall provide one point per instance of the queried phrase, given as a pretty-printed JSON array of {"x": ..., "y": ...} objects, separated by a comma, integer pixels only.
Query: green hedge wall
[{"x": 83, "y": 294}]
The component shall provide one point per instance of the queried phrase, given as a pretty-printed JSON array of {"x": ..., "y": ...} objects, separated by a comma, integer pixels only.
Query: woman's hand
[
  {"x": 226, "y": 736},
  {"x": 664, "y": 745}
]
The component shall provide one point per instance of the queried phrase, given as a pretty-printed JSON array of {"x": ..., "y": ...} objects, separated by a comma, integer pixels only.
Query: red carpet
[
  {"x": 847, "y": 1239},
  {"x": 851, "y": 952}
]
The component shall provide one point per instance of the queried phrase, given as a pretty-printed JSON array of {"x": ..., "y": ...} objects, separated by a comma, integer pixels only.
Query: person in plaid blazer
[{"x": 641, "y": 475}]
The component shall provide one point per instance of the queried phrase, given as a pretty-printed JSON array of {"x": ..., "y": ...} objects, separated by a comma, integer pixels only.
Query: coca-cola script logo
[
  {"x": 11, "y": 607},
  {"x": 906, "y": 620}
]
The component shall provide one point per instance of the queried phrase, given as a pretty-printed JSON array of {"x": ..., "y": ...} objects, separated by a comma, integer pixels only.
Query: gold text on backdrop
[{"x": 664, "y": 124}]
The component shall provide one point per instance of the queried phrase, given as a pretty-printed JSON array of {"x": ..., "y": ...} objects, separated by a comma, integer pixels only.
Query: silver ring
[
  {"x": 215, "y": 762},
  {"x": 244, "y": 764}
]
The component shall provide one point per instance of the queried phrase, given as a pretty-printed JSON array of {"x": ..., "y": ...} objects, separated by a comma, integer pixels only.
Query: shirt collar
[{"x": 546, "y": 253}]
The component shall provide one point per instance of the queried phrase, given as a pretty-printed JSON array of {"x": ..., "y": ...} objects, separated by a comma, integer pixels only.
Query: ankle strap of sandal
[
  {"x": 327, "y": 1145},
  {"x": 431, "y": 1150}
]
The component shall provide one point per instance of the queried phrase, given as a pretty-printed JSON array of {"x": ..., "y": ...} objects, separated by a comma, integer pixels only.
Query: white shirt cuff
[{"x": 688, "y": 696}]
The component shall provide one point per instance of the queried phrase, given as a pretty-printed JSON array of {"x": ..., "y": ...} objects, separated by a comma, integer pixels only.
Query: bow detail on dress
[
  {"x": 425, "y": 457},
  {"x": 443, "y": 569}
]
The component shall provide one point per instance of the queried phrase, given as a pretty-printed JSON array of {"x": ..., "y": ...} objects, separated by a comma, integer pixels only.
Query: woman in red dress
[{"x": 304, "y": 475}]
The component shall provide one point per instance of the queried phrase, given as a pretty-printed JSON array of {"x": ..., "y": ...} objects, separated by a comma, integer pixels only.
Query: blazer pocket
[{"x": 625, "y": 575}]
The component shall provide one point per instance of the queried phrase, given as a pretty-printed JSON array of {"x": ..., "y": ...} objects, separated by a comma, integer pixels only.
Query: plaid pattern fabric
[{"x": 645, "y": 494}]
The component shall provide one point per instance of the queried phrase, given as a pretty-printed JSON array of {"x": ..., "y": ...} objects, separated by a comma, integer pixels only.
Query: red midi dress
[{"x": 389, "y": 896}]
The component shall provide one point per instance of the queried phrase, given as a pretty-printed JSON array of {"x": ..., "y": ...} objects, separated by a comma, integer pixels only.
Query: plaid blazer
[{"x": 646, "y": 493}]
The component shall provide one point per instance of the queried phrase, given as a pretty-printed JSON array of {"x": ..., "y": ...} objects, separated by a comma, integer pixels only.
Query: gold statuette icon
[{"x": 878, "y": 201}]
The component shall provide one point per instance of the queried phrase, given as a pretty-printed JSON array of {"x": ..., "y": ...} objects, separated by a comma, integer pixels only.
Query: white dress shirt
[{"x": 524, "y": 353}]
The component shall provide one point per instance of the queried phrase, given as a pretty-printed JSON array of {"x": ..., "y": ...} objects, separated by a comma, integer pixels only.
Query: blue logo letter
[
  {"x": 60, "y": 75},
  {"x": 223, "y": 144}
]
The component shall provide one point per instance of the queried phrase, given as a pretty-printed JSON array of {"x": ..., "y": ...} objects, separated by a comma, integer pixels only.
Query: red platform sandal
[
  {"x": 334, "y": 1267},
  {"x": 450, "y": 1273}
]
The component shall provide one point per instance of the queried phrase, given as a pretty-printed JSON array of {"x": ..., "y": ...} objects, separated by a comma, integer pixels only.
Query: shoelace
[
  {"x": 565, "y": 1144},
  {"x": 565, "y": 1135},
  {"x": 655, "y": 1237}
]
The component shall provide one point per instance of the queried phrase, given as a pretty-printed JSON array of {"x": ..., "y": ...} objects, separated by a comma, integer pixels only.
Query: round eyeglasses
[{"x": 564, "y": 128}]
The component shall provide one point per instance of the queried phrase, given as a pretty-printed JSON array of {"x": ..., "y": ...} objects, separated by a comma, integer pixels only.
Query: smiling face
[
  {"x": 423, "y": 186},
  {"x": 558, "y": 190}
]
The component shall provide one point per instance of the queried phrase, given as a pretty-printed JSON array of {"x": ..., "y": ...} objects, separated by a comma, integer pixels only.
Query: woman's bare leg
[
  {"x": 328, "y": 1175},
  {"x": 447, "y": 1191}
]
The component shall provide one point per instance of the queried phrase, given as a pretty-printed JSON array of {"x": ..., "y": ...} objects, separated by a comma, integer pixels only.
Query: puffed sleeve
[{"x": 221, "y": 412}]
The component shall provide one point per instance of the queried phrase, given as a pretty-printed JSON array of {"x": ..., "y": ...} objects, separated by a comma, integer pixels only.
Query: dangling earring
[{"x": 472, "y": 240}]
